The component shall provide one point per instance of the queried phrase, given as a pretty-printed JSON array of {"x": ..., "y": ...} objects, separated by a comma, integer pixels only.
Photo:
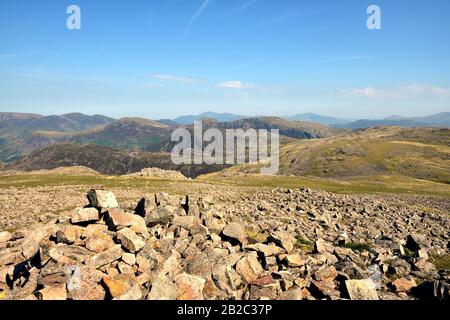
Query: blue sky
[{"x": 161, "y": 59}]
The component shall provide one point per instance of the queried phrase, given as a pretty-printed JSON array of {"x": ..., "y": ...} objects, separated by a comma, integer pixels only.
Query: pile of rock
[
  {"x": 159, "y": 173},
  {"x": 173, "y": 247}
]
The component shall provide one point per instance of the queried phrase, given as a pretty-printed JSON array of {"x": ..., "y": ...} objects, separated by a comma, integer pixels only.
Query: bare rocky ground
[{"x": 221, "y": 242}]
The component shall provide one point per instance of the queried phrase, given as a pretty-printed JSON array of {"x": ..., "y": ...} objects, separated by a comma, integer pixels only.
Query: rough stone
[
  {"x": 119, "y": 284},
  {"x": 102, "y": 199},
  {"x": 130, "y": 240},
  {"x": 403, "y": 284},
  {"x": 326, "y": 273},
  {"x": 129, "y": 258},
  {"x": 134, "y": 293},
  {"x": 57, "y": 292},
  {"x": 159, "y": 215},
  {"x": 163, "y": 288},
  {"x": 85, "y": 215},
  {"x": 294, "y": 260},
  {"x": 416, "y": 242},
  {"x": 84, "y": 284},
  {"x": 5, "y": 236},
  {"x": 105, "y": 257},
  {"x": 189, "y": 287},
  {"x": 267, "y": 250},
  {"x": 361, "y": 289},
  {"x": 249, "y": 268},
  {"x": 235, "y": 232},
  {"x": 99, "y": 241},
  {"x": 283, "y": 239}
]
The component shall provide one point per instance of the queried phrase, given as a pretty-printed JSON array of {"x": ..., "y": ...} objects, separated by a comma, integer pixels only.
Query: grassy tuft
[
  {"x": 357, "y": 246},
  {"x": 304, "y": 244},
  {"x": 441, "y": 262}
]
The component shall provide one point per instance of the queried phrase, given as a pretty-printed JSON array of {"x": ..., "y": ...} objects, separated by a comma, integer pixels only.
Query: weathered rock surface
[
  {"x": 85, "y": 215},
  {"x": 361, "y": 289},
  {"x": 102, "y": 199},
  {"x": 280, "y": 244}
]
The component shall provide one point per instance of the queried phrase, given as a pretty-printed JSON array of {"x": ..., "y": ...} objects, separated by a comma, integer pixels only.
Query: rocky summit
[{"x": 284, "y": 244}]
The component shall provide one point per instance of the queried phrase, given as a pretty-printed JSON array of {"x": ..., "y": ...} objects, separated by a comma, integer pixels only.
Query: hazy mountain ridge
[
  {"x": 20, "y": 134},
  {"x": 313, "y": 117},
  {"x": 220, "y": 117},
  {"x": 149, "y": 135},
  {"x": 435, "y": 120},
  {"x": 65, "y": 122}
]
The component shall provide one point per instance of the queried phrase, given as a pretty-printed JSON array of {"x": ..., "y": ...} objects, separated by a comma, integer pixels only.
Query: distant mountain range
[
  {"x": 21, "y": 133},
  {"x": 110, "y": 146},
  {"x": 435, "y": 120},
  {"x": 220, "y": 117},
  {"x": 312, "y": 117}
]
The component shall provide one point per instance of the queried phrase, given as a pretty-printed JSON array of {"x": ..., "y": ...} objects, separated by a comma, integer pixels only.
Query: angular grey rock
[
  {"x": 130, "y": 240},
  {"x": 159, "y": 215},
  {"x": 102, "y": 199},
  {"x": 236, "y": 232},
  {"x": 416, "y": 242},
  {"x": 85, "y": 215},
  {"x": 105, "y": 257},
  {"x": 283, "y": 239}
]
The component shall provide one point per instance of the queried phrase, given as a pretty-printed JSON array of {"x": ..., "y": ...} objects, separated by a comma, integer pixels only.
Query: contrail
[{"x": 197, "y": 14}]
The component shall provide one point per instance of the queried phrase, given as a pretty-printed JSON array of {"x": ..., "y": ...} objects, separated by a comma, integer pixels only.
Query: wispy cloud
[
  {"x": 196, "y": 15},
  {"x": 238, "y": 9},
  {"x": 175, "y": 78},
  {"x": 236, "y": 85},
  {"x": 416, "y": 88},
  {"x": 401, "y": 92},
  {"x": 369, "y": 92}
]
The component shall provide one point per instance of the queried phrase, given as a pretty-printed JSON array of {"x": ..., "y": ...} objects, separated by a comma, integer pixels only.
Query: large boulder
[
  {"x": 119, "y": 284},
  {"x": 85, "y": 215},
  {"x": 235, "y": 232},
  {"x": 105, "y": 257},
  {"x": 249, "y": 268},
  {"x": 84, "y": 284},
  {"x": 189, "y": 287},
  {"x": 130, "y": 240},
  {"x": 159, "y": 215},
  {"x": 102, "y": 199},
  {"x": 361, "y": 289},
  {"x": 283, "y": 239}
]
